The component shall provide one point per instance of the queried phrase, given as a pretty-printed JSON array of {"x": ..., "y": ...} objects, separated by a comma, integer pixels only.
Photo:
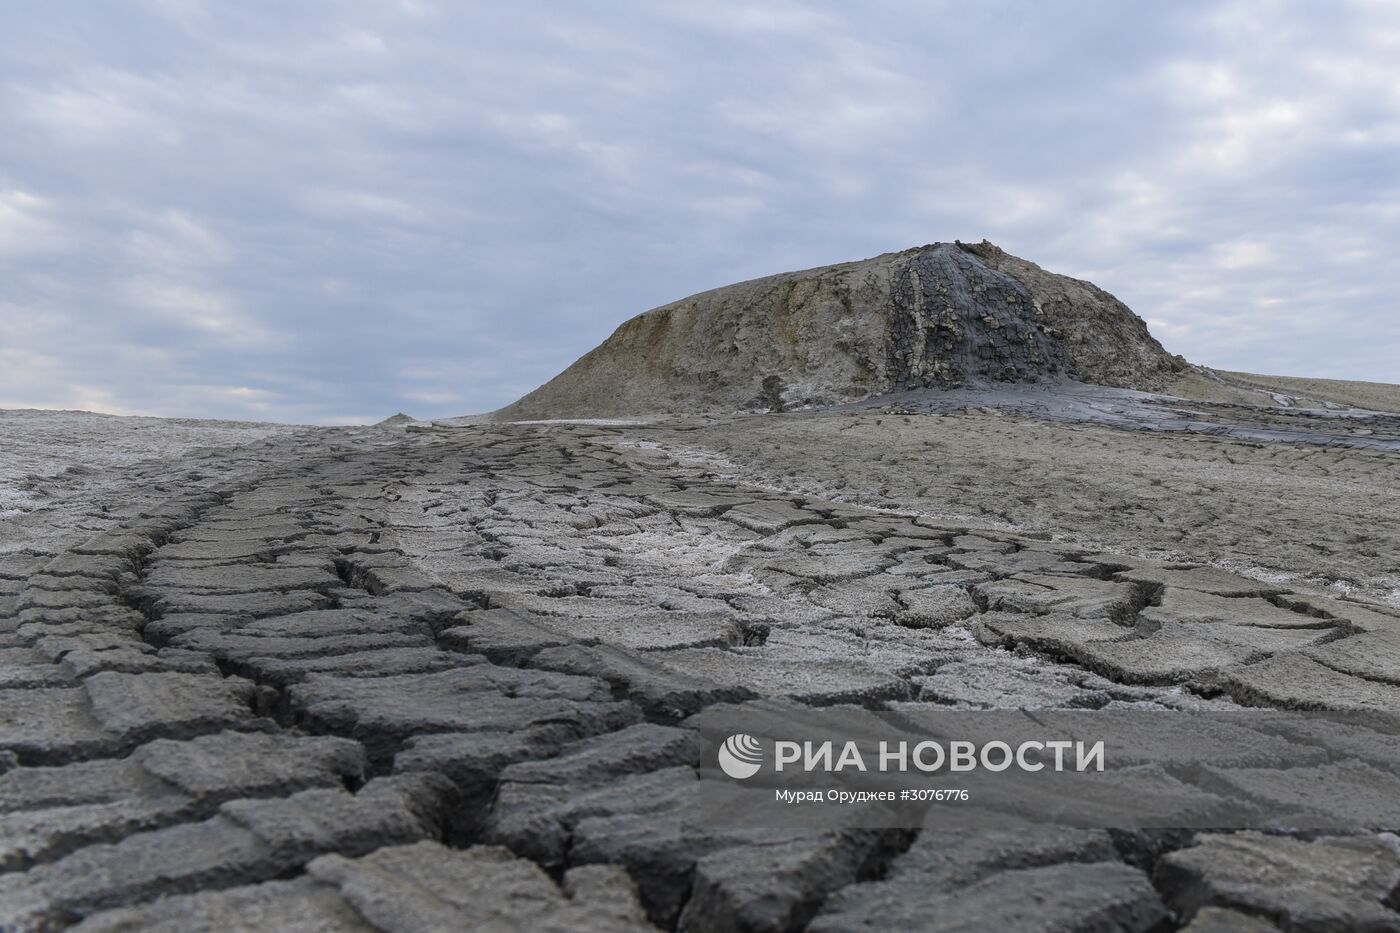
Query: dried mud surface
[{"x": 438, "y": 676}]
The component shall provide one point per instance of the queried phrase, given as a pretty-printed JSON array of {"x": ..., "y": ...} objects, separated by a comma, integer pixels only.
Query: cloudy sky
[{"x": 329, "y": 212}]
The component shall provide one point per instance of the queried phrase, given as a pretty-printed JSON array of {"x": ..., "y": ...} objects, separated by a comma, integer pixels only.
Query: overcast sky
[{"x": 334, "y": 211}]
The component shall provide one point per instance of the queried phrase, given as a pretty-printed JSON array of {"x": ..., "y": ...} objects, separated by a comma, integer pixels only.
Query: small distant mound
[
  {"x": 399, "y": 418},
  {"x": 937, "y": 316}
]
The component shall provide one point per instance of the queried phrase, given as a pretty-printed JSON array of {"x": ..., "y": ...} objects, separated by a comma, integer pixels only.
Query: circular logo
[{"x": 740, "y": 756}]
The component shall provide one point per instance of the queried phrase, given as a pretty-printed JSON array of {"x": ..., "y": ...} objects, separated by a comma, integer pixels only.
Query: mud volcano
[{"x": 938, "y": 316}]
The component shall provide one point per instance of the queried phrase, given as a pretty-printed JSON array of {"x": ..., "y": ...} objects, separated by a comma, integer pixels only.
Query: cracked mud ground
[{"x": 438, "y": 677}]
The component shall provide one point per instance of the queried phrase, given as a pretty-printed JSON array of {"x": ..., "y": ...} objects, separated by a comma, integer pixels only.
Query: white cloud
[
  {"x": 209, "y": 311},
  {"x": 101, "y": 106},
  {"x": 175, "y": 239},
  {"x": 1242, "y": 254},
  {"x": 342, "y": 203},
  {"x": 27, "y": 224}
]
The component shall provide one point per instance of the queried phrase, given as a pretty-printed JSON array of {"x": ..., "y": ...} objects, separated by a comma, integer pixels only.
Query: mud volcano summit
[{"x": 938, "y": 316}]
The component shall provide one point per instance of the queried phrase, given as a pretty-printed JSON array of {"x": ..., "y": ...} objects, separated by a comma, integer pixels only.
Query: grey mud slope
[
  {"x": 431, "y": 677},
  {"x": 936, "y": 316}
]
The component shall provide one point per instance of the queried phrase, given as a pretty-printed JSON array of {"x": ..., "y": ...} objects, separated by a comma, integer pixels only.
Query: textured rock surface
[
  {"x": 1060, "y": 880},
  {"x": 1106, "y": 343},
  {"x": 934, "y": 316},
  {"x": 1330, "y": 884},
  {"x": 381, "y": 679}
]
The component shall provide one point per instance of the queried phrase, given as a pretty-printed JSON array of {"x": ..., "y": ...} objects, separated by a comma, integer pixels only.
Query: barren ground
[
  {"x": 1377, "y": 396},
  {"x": 441, "y": 677},
  {"x": 1294, "y": 512}
]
